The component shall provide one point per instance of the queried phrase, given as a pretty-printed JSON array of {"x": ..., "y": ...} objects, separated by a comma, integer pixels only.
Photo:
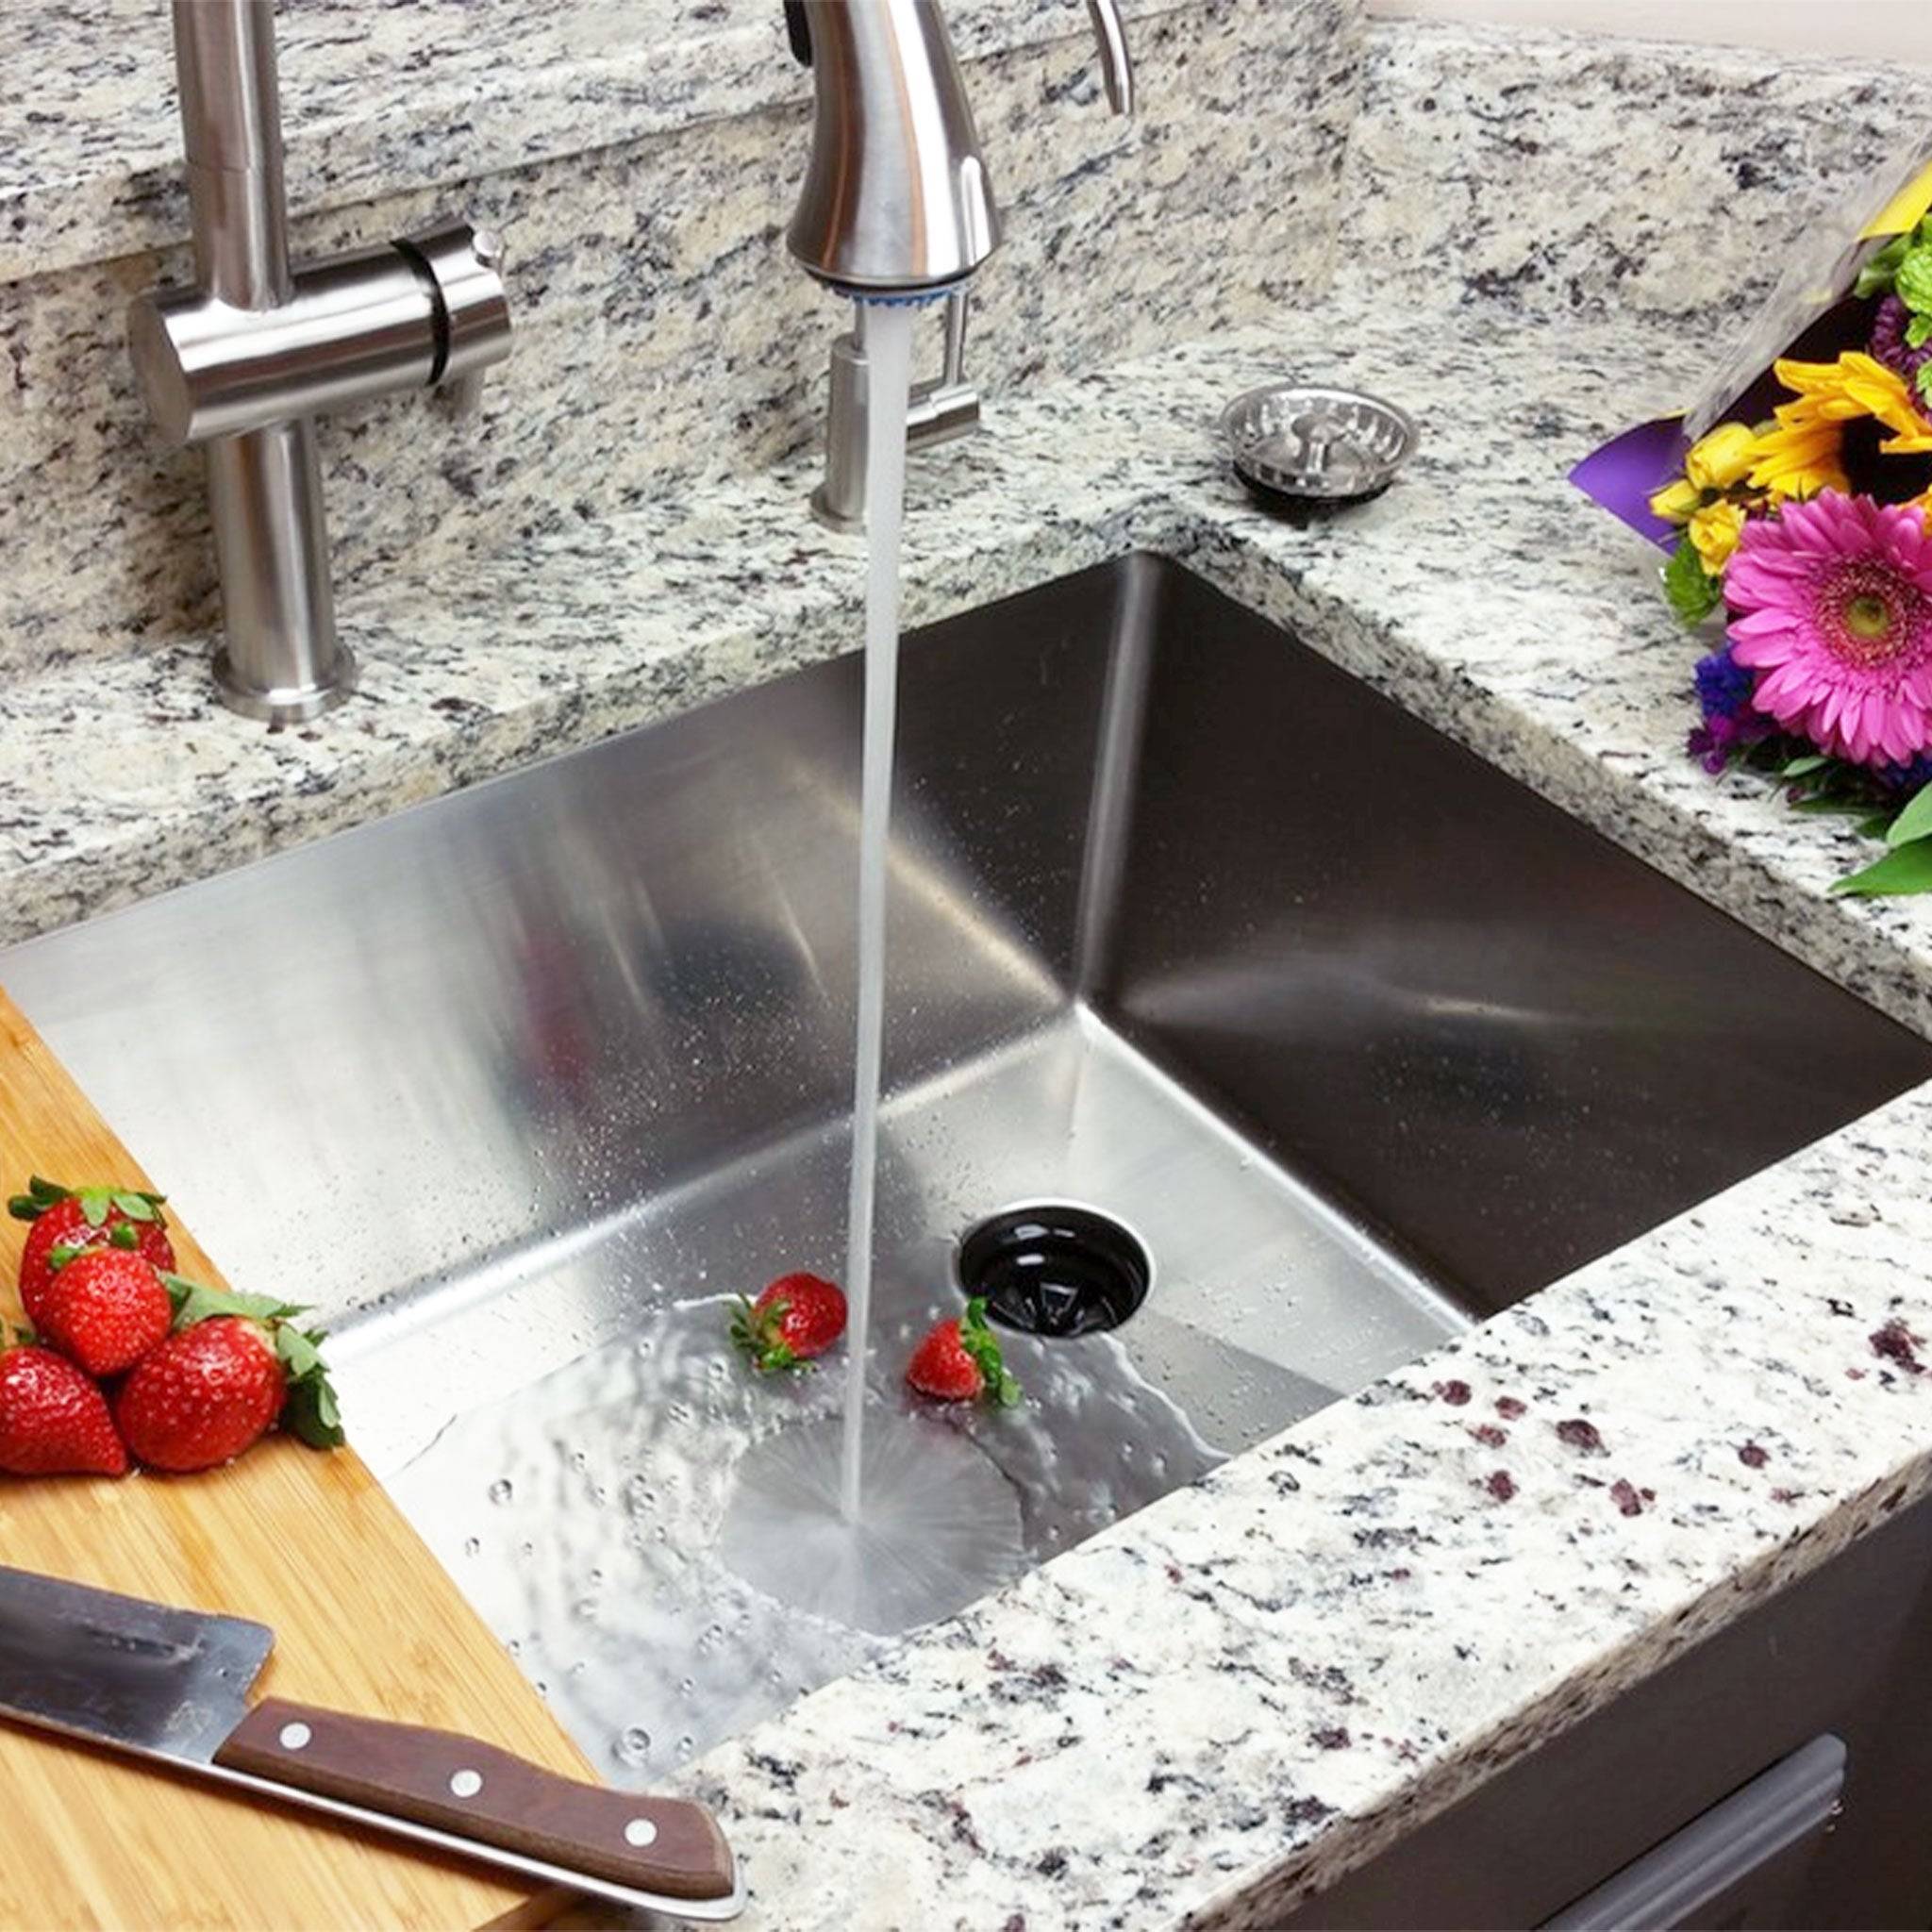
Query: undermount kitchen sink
[{"x": 1359, "y": 1039}]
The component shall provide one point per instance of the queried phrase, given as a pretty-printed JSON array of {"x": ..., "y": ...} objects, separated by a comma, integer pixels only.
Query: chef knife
[{"x": 173, "y": 1685}]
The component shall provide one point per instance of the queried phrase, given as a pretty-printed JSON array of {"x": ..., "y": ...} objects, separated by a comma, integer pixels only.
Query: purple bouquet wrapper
[{"x": 1630, "y": 469}]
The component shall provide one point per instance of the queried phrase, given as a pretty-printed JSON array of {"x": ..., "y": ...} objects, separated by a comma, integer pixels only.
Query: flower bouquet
[{"x": 1797, "y": 503}]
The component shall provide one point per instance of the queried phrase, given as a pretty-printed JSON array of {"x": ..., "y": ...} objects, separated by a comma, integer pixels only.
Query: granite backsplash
[
  {"x": 664, "y": 337},
  {"x": 662, "y": 332},
  {"x": 1569, "y": 175}
]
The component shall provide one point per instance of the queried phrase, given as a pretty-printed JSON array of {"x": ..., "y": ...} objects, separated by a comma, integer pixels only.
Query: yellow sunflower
[
  {"x": 1800, "y": 453},
  {"x": 1858, "y": 385}
]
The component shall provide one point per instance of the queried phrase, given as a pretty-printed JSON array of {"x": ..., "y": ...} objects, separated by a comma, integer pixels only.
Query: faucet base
[
  {"x": 287, "y": 704},
  {"x": 824, "y": 511}
]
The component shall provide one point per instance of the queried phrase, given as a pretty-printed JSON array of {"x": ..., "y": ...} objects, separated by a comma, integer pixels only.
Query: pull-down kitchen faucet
[
  {"x": 242, "y": 362},
  {"x": 896, "y": 205}
]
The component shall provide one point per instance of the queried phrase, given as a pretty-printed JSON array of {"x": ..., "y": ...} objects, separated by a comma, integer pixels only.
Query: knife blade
[{"x": 173, "y": 1685}]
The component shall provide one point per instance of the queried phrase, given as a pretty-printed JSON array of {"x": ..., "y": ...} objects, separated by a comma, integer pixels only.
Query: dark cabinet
[{"x": 1776, "y": 1776}]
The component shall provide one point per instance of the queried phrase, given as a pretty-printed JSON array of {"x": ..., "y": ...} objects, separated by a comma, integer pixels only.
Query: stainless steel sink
[{"x": 1363, "y": 1039}]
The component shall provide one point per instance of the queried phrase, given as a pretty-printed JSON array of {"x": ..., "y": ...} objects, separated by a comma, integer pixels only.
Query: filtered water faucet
[
  {"x": 241, "y": 362},
  {"x": 896, "y": 203}
]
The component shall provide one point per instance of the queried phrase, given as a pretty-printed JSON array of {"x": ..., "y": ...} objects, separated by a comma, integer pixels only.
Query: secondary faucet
[
  {"x": 897, "y": 206},
  {"x": 242, "y": 362}
]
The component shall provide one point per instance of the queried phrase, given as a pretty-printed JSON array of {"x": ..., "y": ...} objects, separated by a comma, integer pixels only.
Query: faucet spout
[
  {"x": 895, "y": 199},
  {"x": 896, "y": 205}
]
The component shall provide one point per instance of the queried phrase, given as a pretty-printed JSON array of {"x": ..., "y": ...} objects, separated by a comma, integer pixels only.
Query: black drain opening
[{"x": 1053, "y": 1270}]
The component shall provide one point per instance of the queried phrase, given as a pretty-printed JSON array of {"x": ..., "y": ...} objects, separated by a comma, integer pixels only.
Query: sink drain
[{"x": 1049, "y": 1268}]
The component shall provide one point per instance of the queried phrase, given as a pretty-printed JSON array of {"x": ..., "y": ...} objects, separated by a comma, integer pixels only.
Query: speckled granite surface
[
  {"x": 661, "y": 332},
  {"x": 1568, "y": 176},
  {"x": 1345, "y": 1631},
  {"x": 1182, "y": 1754}
]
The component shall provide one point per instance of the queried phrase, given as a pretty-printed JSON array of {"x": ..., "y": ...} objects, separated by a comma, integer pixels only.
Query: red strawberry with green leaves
[
  {"x": 52, "y": 1420},
  {"x": 796, "y": 1319},
  {"x": 959, "y": 1362},
  {"x": 105, "y": 1309},
  {"x": 82, "y": 1218},
  {"x": 234, "y": 1366}
]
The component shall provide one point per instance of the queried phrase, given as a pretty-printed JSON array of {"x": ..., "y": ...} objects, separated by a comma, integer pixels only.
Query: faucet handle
[
  {"x": 465, "y": 266},
  {"x": 1116, "y": 64}
]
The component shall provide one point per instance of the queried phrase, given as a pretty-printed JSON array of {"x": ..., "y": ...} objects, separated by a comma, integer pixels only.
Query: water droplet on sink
[
  {"x": 472, "y": 1545},
  {"x": 634, "y": 1745},
  {"x": 501, "y": 1490}
]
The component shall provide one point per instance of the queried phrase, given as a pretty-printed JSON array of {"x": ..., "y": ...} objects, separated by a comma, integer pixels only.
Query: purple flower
[
  {"x": 1724, "y": 685},
  {"x": 1908, "y": 777},
  {"x": 1889, "y": 344},
  {"x": 1730, "y": 721}
]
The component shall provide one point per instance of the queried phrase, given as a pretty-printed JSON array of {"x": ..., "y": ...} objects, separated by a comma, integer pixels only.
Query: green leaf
[
  {"x": 1911, "y": 281},
  {"x": 1844, "y": 808},
  {"x": 23, "y": 1207},
  {"x": 1904, "y": 869},
  {"x": 195, "y": 1301},
  {"x": 1915, "y": 820},
  {"x": 63, "y": 1251},
  {"x": 46, "y": 1193},
  {"x": 1875, "y": 826},
  {"x": 982, "y": 1345},
  {"x": 1925, "y": 381},
  {"x": 1797, "y": 768},
  {"x": 1876, "y": 276},
  {"x": 136, "y": 1206},
  {"x": 298, "y": 1352},
  {"x": 311, "y": 1415},
  {"x": 1692, "y": 592},
  {"x": 1919, "y": 331},
  {"x": 122, "y": 1235},
  {"x": 95, "y": 1204}
]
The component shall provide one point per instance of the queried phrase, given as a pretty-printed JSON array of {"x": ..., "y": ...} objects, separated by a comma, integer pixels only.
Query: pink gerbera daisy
[{"x": 1834, "y": 597}]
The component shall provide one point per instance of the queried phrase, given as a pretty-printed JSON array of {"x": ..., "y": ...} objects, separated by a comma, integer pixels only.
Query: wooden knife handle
[{"x": 476, "y": 1791}]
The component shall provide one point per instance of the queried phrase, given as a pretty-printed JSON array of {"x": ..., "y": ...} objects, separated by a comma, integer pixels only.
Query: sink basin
[{"x": 1361, "y": 1039}]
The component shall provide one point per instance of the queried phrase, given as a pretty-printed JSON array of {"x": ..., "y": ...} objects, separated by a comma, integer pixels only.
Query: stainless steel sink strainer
[{"x": 1303, "y": 443}]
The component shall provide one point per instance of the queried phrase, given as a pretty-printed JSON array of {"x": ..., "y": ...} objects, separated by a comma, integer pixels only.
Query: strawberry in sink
[
  {"x": 960, "y": 1360},
  {"x": 794, "y": 1322}
]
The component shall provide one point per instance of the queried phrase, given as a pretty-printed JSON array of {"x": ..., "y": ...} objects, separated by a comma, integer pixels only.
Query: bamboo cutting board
[{"x": 364, "y": 1618}]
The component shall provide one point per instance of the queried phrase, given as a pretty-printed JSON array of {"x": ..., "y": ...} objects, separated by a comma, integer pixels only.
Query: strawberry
[
  {"x": 105, "y": 1309},
  {"x": 233, "y": 1366},
  {"x": 52, "y": 1420},
  {"x": 796, "y": 1318},
  {"x": 82, "y": 1218},
  {"x": 959, "y": 1362},
  {"x": 207, "y": 1392}
]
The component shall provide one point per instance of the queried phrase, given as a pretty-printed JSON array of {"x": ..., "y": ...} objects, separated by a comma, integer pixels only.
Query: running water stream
[{"x": 889, "y": 357}]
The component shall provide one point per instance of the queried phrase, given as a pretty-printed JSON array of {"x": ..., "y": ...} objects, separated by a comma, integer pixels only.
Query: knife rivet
[
  {"x": 466, "y": 1784},
  {"x": 292, "y": 1736},
  {"x": 640, "y": 1831}
]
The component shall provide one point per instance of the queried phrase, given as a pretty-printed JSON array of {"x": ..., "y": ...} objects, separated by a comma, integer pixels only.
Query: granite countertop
[{"x": 1230, "y": 1697}]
